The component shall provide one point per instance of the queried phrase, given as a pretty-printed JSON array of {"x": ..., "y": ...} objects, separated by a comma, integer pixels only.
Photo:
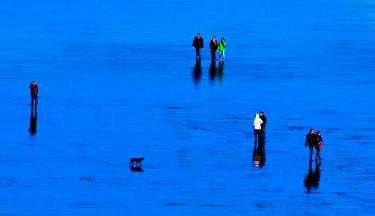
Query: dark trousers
[
  {"x": 213, "y": 55},
  {"x": 198, "y": 53},
  {"x": 34, "y": 100},
  {"x": 311, "y": 151},
  {"x": 264, "y": 133},
  {"x": 257, "y": 135},
  {"x": 317, "y": 154}
]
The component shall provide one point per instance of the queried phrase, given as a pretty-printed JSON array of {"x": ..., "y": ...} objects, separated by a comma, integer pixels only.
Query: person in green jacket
[{"x": 222, "y": 49}]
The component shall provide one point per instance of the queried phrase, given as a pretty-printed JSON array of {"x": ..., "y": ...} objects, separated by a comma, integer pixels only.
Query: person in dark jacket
[
  {"x": 34, "y": 93},
  {"x": 213, "y": 47},
  {"x": 198, "y": 44},
  {"x": 318, "y": 145},
  {"x": 263, "y": 125},
  {"x": 311, "y": 142}
]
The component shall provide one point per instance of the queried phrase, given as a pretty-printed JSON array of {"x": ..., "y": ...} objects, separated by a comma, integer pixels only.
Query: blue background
[{"x": 116, "y": 81}]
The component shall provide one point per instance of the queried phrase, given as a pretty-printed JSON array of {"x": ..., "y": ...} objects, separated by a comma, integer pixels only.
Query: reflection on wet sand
[
  {"x": 259, "y": 154},
  {"x": 220, "y": 71},
  {"x": 312, "y": 178},
  {"x": 213, "y": 70},
  {"x": 197, "y": 72},
  {"x": 33, "y": 120}
]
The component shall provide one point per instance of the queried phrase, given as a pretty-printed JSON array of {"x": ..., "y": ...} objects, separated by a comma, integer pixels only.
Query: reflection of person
[
  {"x": 259, "y": 158},
  {"x": 312, "y": 178},
  {"x": 213, "y": 48},
  {"x": 310, "y": 141},
  {"x": 257, "y": 128},
  {"x": 222, "y": 49},
  {"x": 263, "y": 125},
  {"x": 318, "y": 145},
  {"x": 34, "y": 93},
  {"x": 33, "y": 121},
  {"x": 198, "y": 44}
]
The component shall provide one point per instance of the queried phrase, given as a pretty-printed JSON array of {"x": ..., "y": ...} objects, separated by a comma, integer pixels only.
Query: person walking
[
  {"x": 319, "y": 145},
  {"x": 310, "y": 142},
  {"x": 257, "y": 128},
  {"x": 198, "y": 44},
  {"x": 213, "y": 48},
  {"x": 264, "y": 119},
  {"x": 222, "y": 50},
  {"x": 34, "y": 93}
]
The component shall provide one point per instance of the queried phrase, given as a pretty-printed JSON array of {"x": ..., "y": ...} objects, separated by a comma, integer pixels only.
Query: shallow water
[{"x": 117, "y": 81}]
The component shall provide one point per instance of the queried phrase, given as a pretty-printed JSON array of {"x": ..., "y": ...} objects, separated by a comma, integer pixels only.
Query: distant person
[
  {"x": 222, "y": 50},
  {"x": 213, "y": 48},
  {"x": 319, "y": 145},
  {"x": 310, "y": 142},
  {"x": 264, "y": 119},
  {"x": 198, "y": 44},
  {"x": 34, "y": 93},
  {"x": 257, "y": 128}
]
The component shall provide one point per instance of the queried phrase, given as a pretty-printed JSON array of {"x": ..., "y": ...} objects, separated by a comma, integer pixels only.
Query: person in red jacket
[{"x": 34, "y": 93}]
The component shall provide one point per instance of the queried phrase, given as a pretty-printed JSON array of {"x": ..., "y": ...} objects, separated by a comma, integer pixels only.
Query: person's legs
[
  {"x": 213, "y": 55},
  {"x": 318, "y": 154},
  {"x": 311, "y": 151},
  {"x": 256, "y": 136},
  {"x": 197, "y": 53},
  {"x": 264, "y": 133}
]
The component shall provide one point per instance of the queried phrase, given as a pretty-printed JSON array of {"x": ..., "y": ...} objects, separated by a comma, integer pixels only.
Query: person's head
[
  {"x": 222, "y": 38},
  {"x": 311, "y": 131},
  {"x": 198, "y": 35},
  {"x": 318, "y": 133},
  {"x": 33, "y": 83},
  {"x": 257, "y": 115},
  {"x": 213, "y": 37},
  {"x": 261, "y": 113}
]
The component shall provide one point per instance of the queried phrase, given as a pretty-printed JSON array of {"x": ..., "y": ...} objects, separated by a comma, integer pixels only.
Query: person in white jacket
[{"x": 257, "y": 128}]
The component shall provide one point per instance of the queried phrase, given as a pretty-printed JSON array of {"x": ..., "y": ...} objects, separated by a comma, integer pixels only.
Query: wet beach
[{"x": 118, "y": 79}]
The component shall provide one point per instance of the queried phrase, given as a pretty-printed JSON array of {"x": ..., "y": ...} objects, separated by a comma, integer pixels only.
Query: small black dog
[{"x": 136, "y": 162}]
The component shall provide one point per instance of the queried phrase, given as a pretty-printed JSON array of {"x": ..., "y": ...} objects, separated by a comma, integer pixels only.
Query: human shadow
[
  {"x": 259, "y": 154},
  {"x": 33, "y": 120},
  {"x": 197, "y": 72},
  {"x": 312, "y": 178}
]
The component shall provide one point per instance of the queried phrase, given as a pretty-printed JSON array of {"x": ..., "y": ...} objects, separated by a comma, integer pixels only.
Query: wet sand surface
[{"x": 118, "y": 80}]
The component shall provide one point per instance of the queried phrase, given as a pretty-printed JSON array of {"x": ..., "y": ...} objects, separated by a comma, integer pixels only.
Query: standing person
[
  {"x": 222, "y": 50},
  {"x": 257, "y": 128},
  {"x": 311, "y": 142},
  {"x": 264, "y": 119},
  {"x": 198, "y": 44},
  {"x": 213, "y": 48},
  {"x": 34, "y": 93},
  {"x": 319, "y": 145}
]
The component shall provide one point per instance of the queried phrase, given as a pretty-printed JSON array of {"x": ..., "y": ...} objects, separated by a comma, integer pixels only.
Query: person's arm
[
  {"x": 306, "y": 141},
  {"x": 193, "y": 43}
]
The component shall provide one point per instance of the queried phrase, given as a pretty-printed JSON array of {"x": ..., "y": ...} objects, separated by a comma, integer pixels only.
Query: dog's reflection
[
  {"x": 135, "y": 164},
  {"x": 312, "y": 178},
  {"x": 259, "y": 154},
  {"x": 33, "y": 120}
]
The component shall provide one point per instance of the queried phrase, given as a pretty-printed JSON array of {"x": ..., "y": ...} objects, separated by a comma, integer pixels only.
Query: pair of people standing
[
  {"x": 198, "y": 44},
  {"x": 259, "y": 125},
  {"x": 314, "y": 141}
]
